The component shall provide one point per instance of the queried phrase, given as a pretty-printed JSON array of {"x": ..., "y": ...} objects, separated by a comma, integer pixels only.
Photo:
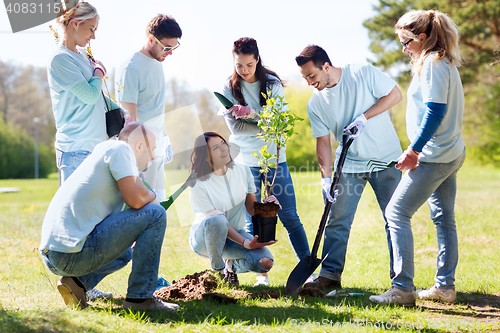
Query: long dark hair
[
  {"x": 246, "y": 45},
  {"x": 200, "y": 157}
]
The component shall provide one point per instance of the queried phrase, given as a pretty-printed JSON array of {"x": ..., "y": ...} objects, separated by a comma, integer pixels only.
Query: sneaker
[
  {"x": 230, "y": 277},
  {"x": 323, "y": 282},
  {"x": 396, "y": 296},
  {"x": 150, "y": 304},
  {"x": 262, "y": 280},
  {"x": 71, "y": 293},
  {"x": 95, "y": 293},
  {"x": 436, "y": 294}
]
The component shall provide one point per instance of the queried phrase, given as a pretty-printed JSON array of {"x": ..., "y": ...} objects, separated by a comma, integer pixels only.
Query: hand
[
  {"x": 169, "y": 154},
  {"x": 252, "y": 244},
  {"x": 241, "y": 111},
  {"x": 358, "y": 124},
  {"x": 272, "y": 199},
  {"x": 326, "y": 183},
  {"x": 408, "y": 160},
  {"x": 97, "y": 65}
]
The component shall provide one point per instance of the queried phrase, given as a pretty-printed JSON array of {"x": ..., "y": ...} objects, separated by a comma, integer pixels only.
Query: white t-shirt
[
  {"x": 79, "y": 126},
  {"x": 224, "y": 193},
  {"x": 438, "y": 82},
  {"x": 249, "y": 144},
  {"x": 144, "y": 84},
  {"x": 87, "y": 197},
  {"x": 331, "y": 109}
]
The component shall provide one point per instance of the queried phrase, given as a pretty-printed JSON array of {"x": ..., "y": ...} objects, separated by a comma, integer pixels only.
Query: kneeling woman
[{"x": 222, "y": 192}]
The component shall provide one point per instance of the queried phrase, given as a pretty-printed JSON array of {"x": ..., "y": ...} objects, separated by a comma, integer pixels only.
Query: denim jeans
[
  {"x": 107, "y": 249},
  {"x": 436, "y": 183},
  {"x": 284, "y": 191},
  {"x": 209, "y": 239},
  {"x": 67, "y": 162},
  {"x": 338, "y": 228}
]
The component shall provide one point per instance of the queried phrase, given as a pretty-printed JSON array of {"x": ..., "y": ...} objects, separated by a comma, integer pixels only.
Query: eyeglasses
[
  {"x": 405, "y": 44},
  {"x": 248, "y": 42},
  {"x": 167, "y": 48}
]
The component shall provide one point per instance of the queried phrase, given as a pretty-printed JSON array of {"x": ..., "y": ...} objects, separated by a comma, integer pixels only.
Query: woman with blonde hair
[
  {"x": 75, "y": 81},
  {"x": 436, "y": 153}
]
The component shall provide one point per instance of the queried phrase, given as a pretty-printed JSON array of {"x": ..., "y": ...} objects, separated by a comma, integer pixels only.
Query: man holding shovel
[
  {"x": 141, "y": 90},
  {"x": 351, "y": 99},
  {"x": 86, "y": 235}
]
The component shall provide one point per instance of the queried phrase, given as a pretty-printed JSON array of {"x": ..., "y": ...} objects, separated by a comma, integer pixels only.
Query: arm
[
  {"x": 324, "y": 153},
  {"x": 250, "y": 199},
  {"x": 88, "y": 92},
  {"x": 135, "y": 194},
  {"x": 384, "y": 103},
  {"x": 240, "y": 126},
  {"x": 131, "y": 108}
]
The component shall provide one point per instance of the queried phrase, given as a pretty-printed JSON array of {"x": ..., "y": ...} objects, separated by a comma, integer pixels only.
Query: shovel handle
[{"x": 346, "y": 143}]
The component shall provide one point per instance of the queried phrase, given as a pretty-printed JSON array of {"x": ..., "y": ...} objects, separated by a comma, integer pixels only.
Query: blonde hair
[
  {"x": 81, "y": 12},
  {"x": 442, "y": 36}
]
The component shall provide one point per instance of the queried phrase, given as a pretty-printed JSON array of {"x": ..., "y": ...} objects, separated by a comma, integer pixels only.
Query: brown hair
[
  {"x": 313, "y": 53},
  {"x": 247, "y": 45},
  {"x": 442, "y": 36},
  {"x": 200, "y": 157},
  {"x": 163, "y": 26}
]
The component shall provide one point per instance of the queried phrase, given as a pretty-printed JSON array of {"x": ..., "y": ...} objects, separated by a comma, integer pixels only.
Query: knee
[
  {"x": 218, "y": 221},
  {"x": 266, "y": 263}
]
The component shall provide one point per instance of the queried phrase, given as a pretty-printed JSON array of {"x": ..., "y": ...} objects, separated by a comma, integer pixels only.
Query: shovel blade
[{"x": 300, "y": 274}]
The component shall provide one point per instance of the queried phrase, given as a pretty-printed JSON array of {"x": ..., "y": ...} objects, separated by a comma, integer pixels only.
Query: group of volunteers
[{"x": 87, "y": 234}]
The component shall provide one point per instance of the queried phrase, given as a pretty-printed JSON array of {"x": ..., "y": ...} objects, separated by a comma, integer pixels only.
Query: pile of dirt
[
  {"x": 190, "y": 287},
  {"x": 199, "y": 286}
]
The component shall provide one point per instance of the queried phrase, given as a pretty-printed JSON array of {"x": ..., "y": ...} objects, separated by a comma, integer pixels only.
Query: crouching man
[{"x": 86, "y": 235}]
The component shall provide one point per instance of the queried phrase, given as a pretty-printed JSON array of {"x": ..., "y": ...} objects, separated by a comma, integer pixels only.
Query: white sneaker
[
  {"x": 150, "y": 304},
  {"x": 436, "y": 294},
  {"x": 396, "y": 296},
  {"x": 94, "y": 294},
  {"x": 262, "y": 280}
]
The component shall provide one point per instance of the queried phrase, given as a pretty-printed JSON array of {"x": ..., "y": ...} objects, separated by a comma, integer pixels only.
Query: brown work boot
[
  {"x": 71, "y": 293},
  {"x": 323, "y": 282}
]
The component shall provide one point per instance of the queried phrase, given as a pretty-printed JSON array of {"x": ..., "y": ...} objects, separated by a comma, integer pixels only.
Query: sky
[{"x": 282, "y": 29}]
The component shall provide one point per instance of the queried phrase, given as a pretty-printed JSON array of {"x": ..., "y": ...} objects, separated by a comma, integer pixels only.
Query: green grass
[{"x": 29, "y": 301}]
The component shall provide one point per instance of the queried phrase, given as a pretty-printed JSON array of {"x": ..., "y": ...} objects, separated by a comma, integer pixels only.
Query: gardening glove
[
  {"x": 241, "y": 111},
  {"x": 408, "y": 160},
  {"x": 358, "y": 124},
  {"x": 272, "y": 199},
  {"x": 252, "y": 244},
  {"x": 126, "y": 117},
  {"x": 326, "y": 183},
  {"x": 169, "y": 154},
  {"x": 97, "y": 65}
]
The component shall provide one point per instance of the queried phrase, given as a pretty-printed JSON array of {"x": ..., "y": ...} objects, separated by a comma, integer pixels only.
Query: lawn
[{"x": 29, "y": 301}]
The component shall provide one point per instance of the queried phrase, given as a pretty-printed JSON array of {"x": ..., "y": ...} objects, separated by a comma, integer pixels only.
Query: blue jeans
[
  {"x": 284, "y": 191},
  {"x": 338, "y": 228},
  {"x": 436, "y": 183},
  {"x": 107, "y": 249},
  {"x": 209, "y": 239},
  {"x": 67, "y": 162}
]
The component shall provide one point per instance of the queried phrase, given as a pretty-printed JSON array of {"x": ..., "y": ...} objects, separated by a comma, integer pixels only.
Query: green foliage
[
  {"x": 17, "y": 152},
  {"x": 479, "y": 24},
  {"x": 277, "y": 127}
]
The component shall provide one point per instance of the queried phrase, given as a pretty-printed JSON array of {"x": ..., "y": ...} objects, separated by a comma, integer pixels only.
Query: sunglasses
[
  {"x": 405, "y": 44},
  {"x": 167, "y": 48},
  {"x": 248, "y": 42}
]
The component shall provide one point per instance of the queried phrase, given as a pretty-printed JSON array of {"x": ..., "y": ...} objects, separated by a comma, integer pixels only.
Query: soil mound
[{"x": 189, "y": 287}]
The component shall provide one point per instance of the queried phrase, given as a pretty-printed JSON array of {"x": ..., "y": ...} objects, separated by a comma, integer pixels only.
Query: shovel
[{"x": 308, "y": 264}]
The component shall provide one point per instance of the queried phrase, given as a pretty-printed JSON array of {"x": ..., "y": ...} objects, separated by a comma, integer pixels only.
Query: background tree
[{"x": 479, "y": 24}]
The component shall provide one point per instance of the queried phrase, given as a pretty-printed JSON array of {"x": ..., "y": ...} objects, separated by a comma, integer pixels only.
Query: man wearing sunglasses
[{"x": 140, "y": 86}]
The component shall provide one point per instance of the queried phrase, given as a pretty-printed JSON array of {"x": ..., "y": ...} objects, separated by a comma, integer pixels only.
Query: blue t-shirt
[
  {"x": 331, "y": 109},
  {"x": 144, "y": 84},
  {"x": 89, "y": 196},
  {"x": 249, "y": 144},
  {"x": 438, "y": 82},
  {"x": 224, "y": 193},
  {"x": 79, "y": 126}
]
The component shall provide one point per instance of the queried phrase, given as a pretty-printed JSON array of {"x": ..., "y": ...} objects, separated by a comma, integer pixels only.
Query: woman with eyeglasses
[
  {"x": 222, "y": 191},
  {"x": 244, "y": 89},
  {"x": 437, "y": 151},
  {"x": 75, "y": 81}
]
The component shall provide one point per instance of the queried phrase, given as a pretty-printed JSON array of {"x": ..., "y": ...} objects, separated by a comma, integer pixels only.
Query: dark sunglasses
[{"x": 405, "y": 44}]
